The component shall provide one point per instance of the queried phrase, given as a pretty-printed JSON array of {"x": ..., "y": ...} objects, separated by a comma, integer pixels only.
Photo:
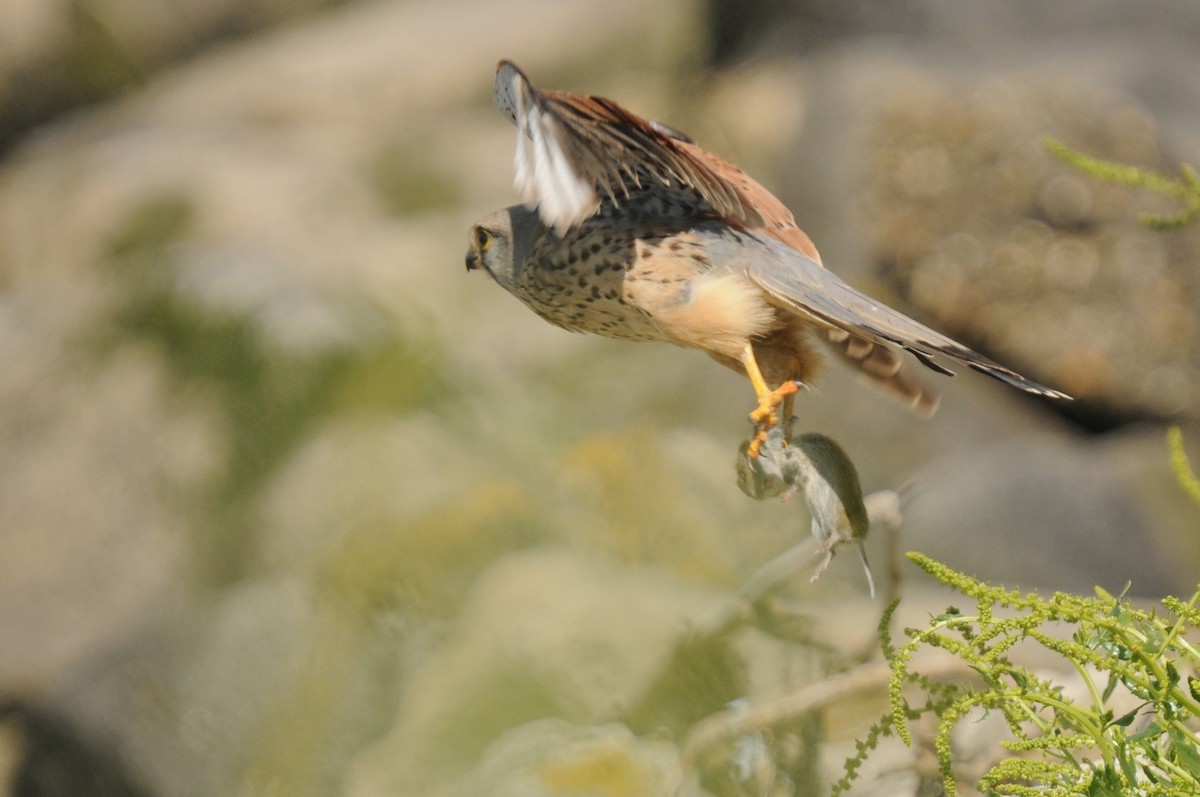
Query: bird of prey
[{"x": 632, "y": 231}]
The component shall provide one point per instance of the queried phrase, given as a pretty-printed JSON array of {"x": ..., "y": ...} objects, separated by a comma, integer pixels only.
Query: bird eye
[{"x": 483, "y": 238}]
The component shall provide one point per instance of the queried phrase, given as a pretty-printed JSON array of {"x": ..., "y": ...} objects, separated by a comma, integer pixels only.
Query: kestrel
[{"x": 632, "y": 231}]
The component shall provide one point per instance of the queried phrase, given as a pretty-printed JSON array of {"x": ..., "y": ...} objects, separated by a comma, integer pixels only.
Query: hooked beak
[{"x": 472, "y": 260}]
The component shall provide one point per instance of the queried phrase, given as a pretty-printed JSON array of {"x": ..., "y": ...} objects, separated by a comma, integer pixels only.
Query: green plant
[
  {"x": 1184, "y": 189},
  {"x": 1061, "y": 745}
]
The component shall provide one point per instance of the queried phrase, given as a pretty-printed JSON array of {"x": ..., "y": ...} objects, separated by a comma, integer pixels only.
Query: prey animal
[
  {"x": 632, "y": 231},
  {"x": 818, "y": 468}
]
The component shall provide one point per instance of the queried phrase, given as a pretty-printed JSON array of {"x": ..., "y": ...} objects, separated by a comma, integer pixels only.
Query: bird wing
[
  {"x": 801, "y": 285},
  {"x": 573, "y": 151}
]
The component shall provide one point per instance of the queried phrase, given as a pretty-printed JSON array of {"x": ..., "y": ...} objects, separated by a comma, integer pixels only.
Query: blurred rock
[
  {"x": 975, "y": 32},
  {"x": 43, "y": 755},
  {"x": 1025, "y": 507},
  {"x": 543, "y": 634},
  {"x": 56, "y": 55},
  {"x": 1049, "y": 270},
  {"x": 290, "y": 504}
]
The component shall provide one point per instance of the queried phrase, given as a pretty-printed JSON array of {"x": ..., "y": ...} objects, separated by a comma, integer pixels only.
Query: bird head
[{"x": 500, "y": 242}]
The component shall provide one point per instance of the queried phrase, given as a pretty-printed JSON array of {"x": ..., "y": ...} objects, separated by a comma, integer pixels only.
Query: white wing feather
[{"x": 544, "y": 175}]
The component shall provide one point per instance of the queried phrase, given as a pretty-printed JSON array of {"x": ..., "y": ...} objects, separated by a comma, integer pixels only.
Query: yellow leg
[
  {"x": 787, "y": 412},
  {"x": 764, "y": 416}
]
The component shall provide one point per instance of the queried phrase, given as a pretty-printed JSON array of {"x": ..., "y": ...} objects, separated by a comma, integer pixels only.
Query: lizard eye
[{"x": 483, "y": 238}]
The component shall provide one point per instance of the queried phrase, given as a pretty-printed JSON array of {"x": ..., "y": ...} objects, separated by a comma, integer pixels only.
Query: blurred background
[{"x": 290, "y": 504}]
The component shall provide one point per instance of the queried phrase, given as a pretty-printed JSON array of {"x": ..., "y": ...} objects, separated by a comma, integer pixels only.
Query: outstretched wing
[
  {"x": 574, "y": 150},
  {"x": 800, "y": 285}
]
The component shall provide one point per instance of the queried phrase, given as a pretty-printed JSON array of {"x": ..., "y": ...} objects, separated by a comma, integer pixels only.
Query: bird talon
[
  {"x": 765, "y": 416},
  {"x": 754, "y": 450}
]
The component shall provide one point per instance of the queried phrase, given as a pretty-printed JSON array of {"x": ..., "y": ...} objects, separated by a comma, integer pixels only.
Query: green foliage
[
  {"x": 1068, "y": 747},
  {"x": 1179, "y": 463},
  {"x": 1135, "y": 732},
  {"x": 1185, "y": 188}
]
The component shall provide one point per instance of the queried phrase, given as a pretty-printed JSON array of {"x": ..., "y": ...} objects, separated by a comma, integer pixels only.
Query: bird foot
[{"x": 765, "y": 416}]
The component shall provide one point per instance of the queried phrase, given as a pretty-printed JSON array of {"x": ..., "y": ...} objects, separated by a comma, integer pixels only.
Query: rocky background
[{"x": 291, "y": 504}]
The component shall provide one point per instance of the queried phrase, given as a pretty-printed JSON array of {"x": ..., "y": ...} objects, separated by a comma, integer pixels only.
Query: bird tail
[{"x": 884, "y": 367}]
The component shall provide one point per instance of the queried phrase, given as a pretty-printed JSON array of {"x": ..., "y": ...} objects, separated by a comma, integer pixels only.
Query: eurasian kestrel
[{"x": 639, "y": 234}]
